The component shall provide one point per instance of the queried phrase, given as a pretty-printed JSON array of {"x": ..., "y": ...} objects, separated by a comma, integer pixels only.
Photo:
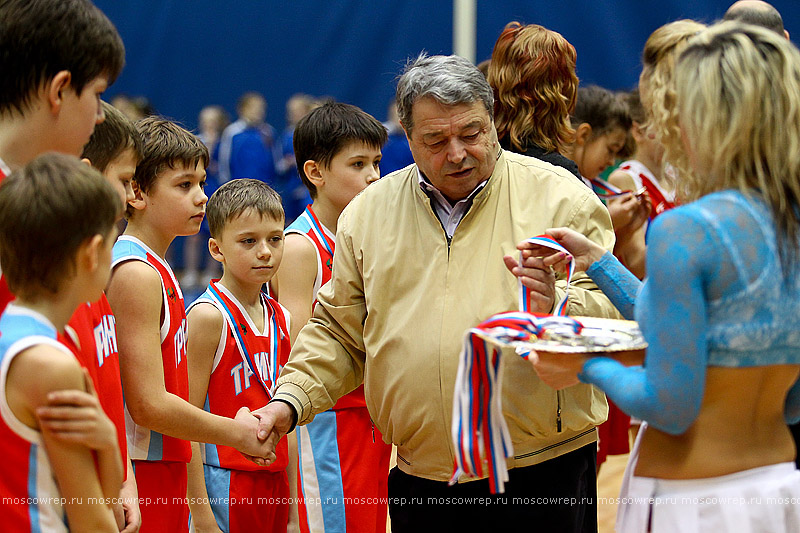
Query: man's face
[{"x": 455, "y": 146}]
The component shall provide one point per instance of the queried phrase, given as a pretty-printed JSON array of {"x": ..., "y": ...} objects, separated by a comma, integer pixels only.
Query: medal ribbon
[
  {"x": 606, "y": 190},
  {"x": 479, "y": 431},
  {"x": 317, "y": 228},
  {"x": 525, "y": 294},
  {"x": 238, "y": 335}
]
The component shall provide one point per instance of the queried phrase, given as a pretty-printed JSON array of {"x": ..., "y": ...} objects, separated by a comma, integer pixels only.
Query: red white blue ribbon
[
  {"x": 479, "y": 431},
  {"x": 604, "y": 189},
  {"x": 238, "y": 334},
  {"x": 525, "y": 293}
]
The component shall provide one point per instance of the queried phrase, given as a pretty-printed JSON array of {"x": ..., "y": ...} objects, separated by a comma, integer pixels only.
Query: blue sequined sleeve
[
  {"x": 670, "y": 307},
  {"x": 616, "y": 282}
]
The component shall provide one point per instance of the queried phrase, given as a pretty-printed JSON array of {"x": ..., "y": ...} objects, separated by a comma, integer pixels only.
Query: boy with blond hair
[
  {"x": 56, "y": 232},
  {"x": 342, "y": 456},
  {"x": 151, "y": 327},
  {"x": 238, "y": 341},
  {"x": 52, "y": 82}
]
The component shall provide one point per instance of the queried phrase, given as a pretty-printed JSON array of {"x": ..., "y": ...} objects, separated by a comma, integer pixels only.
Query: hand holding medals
[{"x": 556, "y": 345}]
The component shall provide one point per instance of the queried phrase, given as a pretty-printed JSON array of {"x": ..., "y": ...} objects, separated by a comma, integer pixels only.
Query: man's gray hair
[{"x": 451, "y": 80}]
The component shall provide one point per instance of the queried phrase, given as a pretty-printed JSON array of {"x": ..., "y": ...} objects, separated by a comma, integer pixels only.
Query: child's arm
[
  {"x": 630, "y": 246},
  {"x": 205, "y": 324},
  {"x": 130, "y": 502},
  {"x": 295, "y": 281},
  {"x": 77, "y": 417},
  {"x": 134, "y": 293},
  {"x": 33, "y": 375},
  {"x": 202, "y": 516}
]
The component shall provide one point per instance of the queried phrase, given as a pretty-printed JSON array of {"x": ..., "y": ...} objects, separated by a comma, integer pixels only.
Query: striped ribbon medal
[
  {"x": 525, "y": 294},
  {"x": 480, "y": 434},
  {"x": 239, "y": 332},
  {"x": 606, "y": 190}
]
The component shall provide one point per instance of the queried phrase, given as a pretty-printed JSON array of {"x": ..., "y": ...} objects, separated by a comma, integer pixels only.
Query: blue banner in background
[{"x": 184, "y": 55}]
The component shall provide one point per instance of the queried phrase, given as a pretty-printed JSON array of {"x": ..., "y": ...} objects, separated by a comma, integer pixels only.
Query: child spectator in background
[
  {"x": 238, "y": 341},
  {"x": 338, "y": 150},
  {"x": 56, "y": 232},
  {"x": 52, "y": 82},
  {"x": 395, "y": 154},
  {"x": 644, "y": 169},
  {"x": 294, "y": 193},
  {"x": 189, "y": 253},
  {"x": 133, "y": 107},
  {"x": 114, "y": 149},
  {"x": 246, "y": 147},
  {"x": 151, "y": 326},
  {"x": 601, "y": 122}
]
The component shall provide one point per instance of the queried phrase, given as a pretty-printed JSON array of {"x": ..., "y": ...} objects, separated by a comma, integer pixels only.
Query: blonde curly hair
[
  {"x": 737, "y": 88},
  {"x": 655, "y": 83}
]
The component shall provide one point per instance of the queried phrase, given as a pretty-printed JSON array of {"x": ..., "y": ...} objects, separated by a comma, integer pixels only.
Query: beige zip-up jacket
[{"x": 401, "y": 298}]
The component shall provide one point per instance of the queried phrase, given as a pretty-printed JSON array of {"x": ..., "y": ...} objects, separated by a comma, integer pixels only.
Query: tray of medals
[{"x": 588, "y": 336}]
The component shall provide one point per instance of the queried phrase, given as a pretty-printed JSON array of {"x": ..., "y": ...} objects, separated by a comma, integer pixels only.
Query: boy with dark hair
[
  {"x": 114, "y": 140},
  {"x": 52, "y": 81},
  {"x": 114, "y": 149},
  {"x": 151, "y": 327},
  {"x": 341, "y": 455},
  {"x": 56, "y": 232},
  {"x": 238, "y": 341}
]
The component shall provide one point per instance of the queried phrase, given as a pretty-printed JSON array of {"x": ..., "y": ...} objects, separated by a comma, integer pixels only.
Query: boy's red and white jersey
[
  {"x": 324, "y": 241},
  {"x": 28, "y": 490},
  {"x": 143, "y": 443},
  {"x": 246, "y": 365},
  {"x": 93, "y": 325}
]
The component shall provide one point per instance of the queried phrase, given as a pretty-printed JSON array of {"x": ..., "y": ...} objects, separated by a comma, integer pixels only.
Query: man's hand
[
  {"x": 274, "y": 421},
  {"x": 76, "y": 416},
  {"x": 250, "y": 446},
  {"x": 538, "y": 277}
]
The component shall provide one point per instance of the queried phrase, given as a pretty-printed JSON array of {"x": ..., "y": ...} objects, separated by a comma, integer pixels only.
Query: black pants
[{"x": 559, "y": 495}]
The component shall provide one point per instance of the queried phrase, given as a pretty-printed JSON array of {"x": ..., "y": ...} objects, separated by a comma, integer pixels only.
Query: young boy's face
[
  {"x": 119, "y": 174},
  {"x": 78, "y": 117},
  {"x": 176, "y": 203},
  {"x": 350, "y": 171},
  {"x": 251, "y": 247}
]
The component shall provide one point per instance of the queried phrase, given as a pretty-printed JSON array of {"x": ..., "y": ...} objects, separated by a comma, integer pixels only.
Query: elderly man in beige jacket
[{"x": 419, "y": 260}]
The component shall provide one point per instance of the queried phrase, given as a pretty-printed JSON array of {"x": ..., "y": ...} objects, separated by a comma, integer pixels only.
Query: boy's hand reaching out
[{"x": 251, "y": 447}]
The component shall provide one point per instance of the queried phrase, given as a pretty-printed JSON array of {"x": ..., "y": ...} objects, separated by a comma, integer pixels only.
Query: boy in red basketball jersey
[
  {"x": 56, "y": 232},
  {"x": 238, "y": 341},
  {"x": 51, "y": 82},
  {"x": 151, "y": 327},
  {"x": 343, "y": 459},
  {"x": 114, "y": 149}
]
